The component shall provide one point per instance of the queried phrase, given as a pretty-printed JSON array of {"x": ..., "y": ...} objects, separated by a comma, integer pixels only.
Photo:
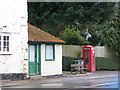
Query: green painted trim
[
  {"x": 28, "y": 59},
  {"x": 49, "y": 59},
  {"x": 54, "y": 52},
  {"x": 52, "y": 59},
  {"x": 39, "y": 57},
  {"x": 35, "y": 59}
]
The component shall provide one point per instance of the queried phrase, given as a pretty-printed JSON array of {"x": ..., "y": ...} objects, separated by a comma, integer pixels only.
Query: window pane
[
  {"x": 32, "y": 53},
  {"x": 7, "y": 48},
  {"x": 49, "y": 51},
  {"x": 7, "y": 43},
  {"x": 7, "y": 37},
  {"x": 4, "y": 49},
  {"x": 4, "y": 44},
  {"x": 4, "y": 38},
  {"x": 0, "y": 43},
  {"x": 0, "y": 46}
]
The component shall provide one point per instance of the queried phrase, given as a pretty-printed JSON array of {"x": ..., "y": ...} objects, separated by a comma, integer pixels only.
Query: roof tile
[{"x": 38, "y": 35}]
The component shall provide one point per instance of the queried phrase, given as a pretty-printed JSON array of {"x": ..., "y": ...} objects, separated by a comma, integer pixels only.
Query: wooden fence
[
  {"x": 104, "y": 60},
  {"x": 76, "y": 51}
]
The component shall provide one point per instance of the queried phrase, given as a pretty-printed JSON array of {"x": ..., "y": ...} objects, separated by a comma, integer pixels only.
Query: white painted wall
[
  {"x": 13, "y": 15},
  {"x": 51, "y": 67}
]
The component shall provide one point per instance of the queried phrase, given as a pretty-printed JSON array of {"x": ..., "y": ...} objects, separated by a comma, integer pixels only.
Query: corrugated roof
[{"x": 37, "y": 35}]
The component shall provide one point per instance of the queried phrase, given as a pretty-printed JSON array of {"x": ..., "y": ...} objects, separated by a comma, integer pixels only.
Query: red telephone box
[{"x": 88, "y": 55}]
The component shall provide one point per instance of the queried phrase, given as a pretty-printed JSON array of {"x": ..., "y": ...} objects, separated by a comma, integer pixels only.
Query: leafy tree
[
  {"x": 102, "y": 19},
  {"x": 111, "y": 32},
  {"x": 72, "y": 36},
  {"x": 53, "y": 17}
]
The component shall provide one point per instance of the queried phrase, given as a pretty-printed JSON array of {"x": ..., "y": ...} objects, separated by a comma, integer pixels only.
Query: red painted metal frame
[{"x": 88, "y": 55}]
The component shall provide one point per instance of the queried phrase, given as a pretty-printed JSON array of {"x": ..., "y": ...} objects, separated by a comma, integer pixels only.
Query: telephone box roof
[{"x": 88, "y": 46}]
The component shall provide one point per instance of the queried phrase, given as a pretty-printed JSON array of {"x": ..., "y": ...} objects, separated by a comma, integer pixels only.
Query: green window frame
[{"x": 50, "y": 52}]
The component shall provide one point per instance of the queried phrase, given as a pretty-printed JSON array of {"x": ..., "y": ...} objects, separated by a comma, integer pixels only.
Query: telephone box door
[
  {"x": 89, "y": 57},
  {"x": 86, "y": 59}
]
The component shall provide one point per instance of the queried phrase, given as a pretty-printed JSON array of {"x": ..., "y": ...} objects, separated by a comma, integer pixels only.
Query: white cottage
[
  {"x": 13, "y": 39},
  {"x": 45, "y": 53}
]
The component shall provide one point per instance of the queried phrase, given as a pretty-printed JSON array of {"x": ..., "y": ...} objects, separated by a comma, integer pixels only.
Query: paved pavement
[{"x": 68, "y": 80}]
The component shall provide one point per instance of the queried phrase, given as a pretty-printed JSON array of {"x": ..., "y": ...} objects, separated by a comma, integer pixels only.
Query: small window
[
  {"x": 4, "y": 44},
  {"x": 0, "y": 43},
  {"x": 50, "y": 52}
]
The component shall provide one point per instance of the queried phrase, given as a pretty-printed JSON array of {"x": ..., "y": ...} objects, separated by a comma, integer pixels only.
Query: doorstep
[{"x": 36, "y": 77}]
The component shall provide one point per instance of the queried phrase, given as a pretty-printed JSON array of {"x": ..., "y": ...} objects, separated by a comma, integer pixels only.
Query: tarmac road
[{"x": 74, "y": 82}]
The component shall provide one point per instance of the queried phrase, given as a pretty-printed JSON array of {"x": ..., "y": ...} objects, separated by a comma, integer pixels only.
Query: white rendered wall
[
  {"x": 51, "y": 67},
  {"x": 13, "y": 21}
]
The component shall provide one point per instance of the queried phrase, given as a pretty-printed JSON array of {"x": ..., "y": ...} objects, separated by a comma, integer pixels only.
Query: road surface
[{"x": 73, "y": 83}]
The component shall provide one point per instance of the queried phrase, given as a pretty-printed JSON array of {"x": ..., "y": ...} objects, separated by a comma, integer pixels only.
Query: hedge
[
  {"x": 106, "y": 63},
  {"x": 66, "y": 63},
  {"x": 101, "y": 63}
]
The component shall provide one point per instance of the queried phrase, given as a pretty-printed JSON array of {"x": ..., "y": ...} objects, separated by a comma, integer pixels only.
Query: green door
[{"x": 34, "y": 60}]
